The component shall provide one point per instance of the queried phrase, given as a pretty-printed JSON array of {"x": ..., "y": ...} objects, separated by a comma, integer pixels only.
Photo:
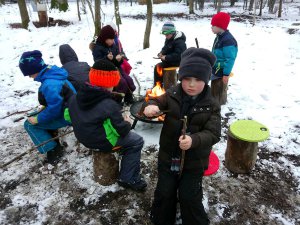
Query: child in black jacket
[{"x": 98, "y": 123}]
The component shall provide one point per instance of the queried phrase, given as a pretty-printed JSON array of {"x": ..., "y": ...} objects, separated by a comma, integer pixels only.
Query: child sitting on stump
[
  {"x": 182, "y": 159},
  {"x": 53, "y": 81},
  {"x": 98, "y": 123}
]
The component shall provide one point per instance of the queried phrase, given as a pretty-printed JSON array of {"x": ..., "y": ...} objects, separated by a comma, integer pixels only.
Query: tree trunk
[
  {"x": 148, "y": 25},
  {"x": 219, "y": 91},
  {"x": 78, "y": 10},
  {"x": 24, "y": 13},
  {"x": 2, "y": 2},
  {"x": 97, "y": 21},
  {"x": 201, "y": 6},
  {"x": 232, "y": 2},
  {"x": 261, "y": 7},
  {"x": 271, "y": 5},
  {"x": 280, "y": 8},
  {"x": 42, "y": 13},
  {"x": 245, "y": 5},
  {"x": 106, "y": 168},
  {"x": 169, "y": 77},
  {"x": 251, "y": 5},
  {"x": 117, "y": 15},
  {"x": 191, "y": 7},
  {"x": 219, "y": 6},
  {"x": 240, "y": 156}
]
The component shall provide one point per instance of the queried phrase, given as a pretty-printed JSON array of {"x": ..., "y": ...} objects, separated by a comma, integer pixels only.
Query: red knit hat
[
  {"x": 104, "y": 74},
  {"x": 107, "y": 32},
  {"x": 221, "y": 20}
]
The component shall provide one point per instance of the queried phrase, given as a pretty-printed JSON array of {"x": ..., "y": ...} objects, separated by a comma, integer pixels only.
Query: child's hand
[
  {"x": 127, "y": 118},
  {"x": 185, "y": 143},
  {"x": 225, "y": 79},
  {"x": 32, "y": 120},
  {"x": 110, "y": 56},
  {"x": 151, "y": 110}
]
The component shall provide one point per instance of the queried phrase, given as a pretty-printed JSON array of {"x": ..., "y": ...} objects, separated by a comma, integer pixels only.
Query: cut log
[
  {"x": 240, "y": 156},
  {"x": 106, "y": 168},
  {"x": 169, "y": 77},
  {"x": 219, "y": 91},
  {"x": 42, "y": 13}
]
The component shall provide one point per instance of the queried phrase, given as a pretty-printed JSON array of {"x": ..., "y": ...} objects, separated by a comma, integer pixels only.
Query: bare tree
[
  {"x": 148, "y": 24},
  {"x": 24, "y": 13},
  {"x": 97, "y": 21},
  {"x": 201, "y": 4},
  {"x": 280, "y": 8},
  {"x": 78, "y": 10},
  {"x": 271, "y": 5},
  {"x": 251, "y": 5},
  {"x": 117, "y": 14},
  {"x": 261, "y": 7},
  {"x": 219, "y": 6},
  {"x": 191, "y": 7}
]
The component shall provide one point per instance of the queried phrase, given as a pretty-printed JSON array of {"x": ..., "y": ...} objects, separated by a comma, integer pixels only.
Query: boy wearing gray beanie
[{"x": 183, "y": 157}]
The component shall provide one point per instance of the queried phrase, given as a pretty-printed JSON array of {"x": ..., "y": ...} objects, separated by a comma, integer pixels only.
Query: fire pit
[{"x": 135, "y": 111}]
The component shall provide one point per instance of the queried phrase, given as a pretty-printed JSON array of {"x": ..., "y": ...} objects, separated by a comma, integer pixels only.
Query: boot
[
  {"x": 139, "y": 186},
  {"x": 55, "y": 154}
]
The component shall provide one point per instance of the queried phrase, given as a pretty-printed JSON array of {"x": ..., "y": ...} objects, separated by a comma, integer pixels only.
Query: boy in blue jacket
[
  {"x": 225, "y": 49},
  {"x": 50, "y": 94},
  {"x": 98, "y": 123}
]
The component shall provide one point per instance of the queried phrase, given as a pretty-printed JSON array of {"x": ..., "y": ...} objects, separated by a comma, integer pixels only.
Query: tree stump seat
[
  {"x": 242, "y": 145},
  {"x": 169, "y": 77},
  {"x": 106, "y": 167}
]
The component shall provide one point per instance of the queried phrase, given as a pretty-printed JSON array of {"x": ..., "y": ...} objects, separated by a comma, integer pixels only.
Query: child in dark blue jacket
[
  {"x": 225, "y": 49},
  {"x": 53, "y": 81},
  {"x": 98, "y": 123}
]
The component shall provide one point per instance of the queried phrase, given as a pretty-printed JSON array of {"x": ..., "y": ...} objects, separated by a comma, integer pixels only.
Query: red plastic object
[{"x": 213, "y": 164}]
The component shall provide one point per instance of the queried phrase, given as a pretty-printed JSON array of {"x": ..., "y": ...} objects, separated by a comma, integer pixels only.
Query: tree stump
[
  {"x": 219, "y": 91},
  {"x": 240, "y": 156},
  {"x": 106, "y": 168},
  {"x": 242, "y": 145},
  {"x": 169, "y": 77},
  {"x": 42, "y": 13}
]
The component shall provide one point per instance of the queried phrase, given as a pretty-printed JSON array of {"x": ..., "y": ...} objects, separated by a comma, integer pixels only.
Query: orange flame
[
  {"x": 156, "y": 91},
  {"x": 159, "y": 70}
]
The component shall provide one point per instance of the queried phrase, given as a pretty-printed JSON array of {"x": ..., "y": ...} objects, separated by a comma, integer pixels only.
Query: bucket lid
[
  {"x": 213, "y": 164},
  {"x": 249, "y": 130}
]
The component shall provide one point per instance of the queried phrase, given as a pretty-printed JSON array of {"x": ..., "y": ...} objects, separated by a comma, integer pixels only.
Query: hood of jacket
[
  {"x": 67, "y": 54},
  {"x": 52, "y": 72},
  {"x": 88, "y": 96}
]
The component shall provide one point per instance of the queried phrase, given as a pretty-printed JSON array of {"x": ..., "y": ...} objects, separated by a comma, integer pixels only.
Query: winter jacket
[
  {"x": 204, "y": 127},
  {"x": 173, "y": 49},
  {"x": 78, "y": 72},
  {"x": 100, "y": 51},
  {"x": 96, "y": 118},
  {"x": 54, "y": 81},
  {"x": 225, "y": 49}
]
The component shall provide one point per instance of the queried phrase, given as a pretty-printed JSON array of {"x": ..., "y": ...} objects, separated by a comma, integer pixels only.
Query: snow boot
[
  {"x": 139, "y": 186},
  {"x": 55, "y": 154}
]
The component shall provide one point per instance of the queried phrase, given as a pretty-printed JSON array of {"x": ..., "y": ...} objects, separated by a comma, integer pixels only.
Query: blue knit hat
[
  {"x": 31, "y": 63},
  {"x": 168, "y": 28}
]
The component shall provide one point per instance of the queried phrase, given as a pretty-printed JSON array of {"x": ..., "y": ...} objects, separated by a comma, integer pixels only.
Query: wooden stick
[
  {"x": 17, "y": 112},
  {"x": 34, "y": 147},
  {"x": 183, "y": 132}
]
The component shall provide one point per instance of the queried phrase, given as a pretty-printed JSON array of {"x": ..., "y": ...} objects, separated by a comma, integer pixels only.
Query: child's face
[
  {"x": 109, "y": 42},
  {"x": 216, "y": 30},
  {"x": 192, "y": 86}
]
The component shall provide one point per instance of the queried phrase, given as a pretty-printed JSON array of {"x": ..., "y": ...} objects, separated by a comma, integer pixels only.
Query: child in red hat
[{"x": 225, "y": 49}]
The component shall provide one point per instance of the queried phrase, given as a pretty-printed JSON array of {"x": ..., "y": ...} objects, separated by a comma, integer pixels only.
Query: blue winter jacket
[
  {"x": 225, "y": 49},
  {"x": 53, "y": 79}
]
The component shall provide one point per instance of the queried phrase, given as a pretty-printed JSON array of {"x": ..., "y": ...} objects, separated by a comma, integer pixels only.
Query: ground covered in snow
[{"x": 264, "y": 88}]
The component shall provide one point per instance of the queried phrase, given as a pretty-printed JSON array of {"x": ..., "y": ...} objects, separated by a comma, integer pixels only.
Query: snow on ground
[{"x": 264, "y": 88}]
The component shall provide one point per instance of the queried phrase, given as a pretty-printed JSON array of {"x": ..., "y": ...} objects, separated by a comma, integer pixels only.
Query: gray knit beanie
[{"x": 196, "y": 62}]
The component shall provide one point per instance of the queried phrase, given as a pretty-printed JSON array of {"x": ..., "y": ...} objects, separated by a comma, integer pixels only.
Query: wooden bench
[{"x": 242, "y": 145}]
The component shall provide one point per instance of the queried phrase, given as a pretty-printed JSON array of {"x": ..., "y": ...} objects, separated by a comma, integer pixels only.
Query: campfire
[{"x": 137, "y": 108}]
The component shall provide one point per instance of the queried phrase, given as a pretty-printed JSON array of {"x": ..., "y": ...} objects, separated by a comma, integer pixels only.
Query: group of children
[{"x": 98, "y": 122}]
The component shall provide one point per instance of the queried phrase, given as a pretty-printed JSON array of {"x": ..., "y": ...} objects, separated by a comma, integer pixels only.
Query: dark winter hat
[
  {"x": 107, "y": 32},
  {"x": 31, "y": 63},
  {"x": 221, "y": 20},
  {"x": 168, "y": 28},
  {"x": 104, "y": 74},
  {"x": 196, "y": 62}
]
